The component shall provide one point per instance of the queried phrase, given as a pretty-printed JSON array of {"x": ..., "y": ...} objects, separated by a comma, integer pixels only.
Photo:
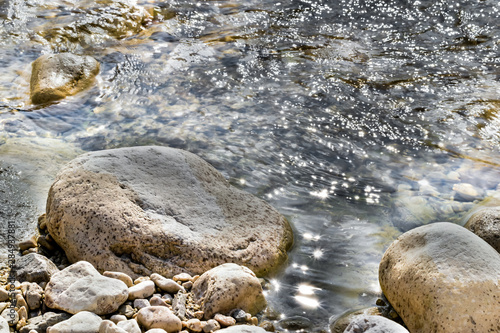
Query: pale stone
[
  {"x": 80, "y": 287},
  {"x": 467, "y": 192},
  {"x": 117, "y": 318},
  {"x": 374, "y": 324},
  {"x": 440, "y": 278},
  {"x": 4, "y": 325},
  {"x": 55, "y": 76},
  {"x": 159, "y": 317},
  {"x": 228, "y": 287},
  {"x": 168, "y": 285},
  {"x": 211, "y": 326},
  {"x": 183, "y": 277},
  {"x": 141, "y": 279},
  {"x": 141, "y": 290},
  {"x": 40, "y": 323},
  {"x": 159, "y": 205},
  {"x": 35, "y": 268},
  {"x": 131, "y": 326},
  {"x": 120, "y": 276},
  {"x": 194, "y": 325},
  {"x": 34, "y": 296},
  {"x": 107, "y": 326},
  {"x": 82, "y": 322},
  {"x": 157, "y": 301},
  {"x": 140, "y": 303},
  {"x": 11, "y": 315},
  {"x": 156, "y": 330}
]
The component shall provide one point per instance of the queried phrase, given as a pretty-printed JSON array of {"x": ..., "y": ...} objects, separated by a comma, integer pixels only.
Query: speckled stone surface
[
  {"x": 486, "y": 224},
  {"x": 443, "y": 278},
  {"x": 228, "y": 287},
  {"x": 374, "y": 324},
  {"x": 156, "y": 209}
]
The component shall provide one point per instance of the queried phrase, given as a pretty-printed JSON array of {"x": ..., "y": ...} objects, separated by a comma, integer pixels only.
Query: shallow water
[{"x": 355, "y": 119}]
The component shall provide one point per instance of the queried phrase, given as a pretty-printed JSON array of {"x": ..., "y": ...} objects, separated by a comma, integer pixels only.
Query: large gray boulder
[
  {"x": 80, "y": 287},
  {"x": 443, "y": 278},
  {"x": 55, "y": 76},
  {"x": 156, "y": 209}
]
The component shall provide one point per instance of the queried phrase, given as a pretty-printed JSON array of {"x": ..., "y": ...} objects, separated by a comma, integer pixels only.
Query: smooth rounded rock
[
  {"x": 141, "y": 290},
  {"x": 374, "y": 324},
  {"x": 168, "y": 285},
  {"x": 159, "y": 317},
  {"x": 4, "y": 325},
  {"x": 442, "y": 278},
  {"x": 486, "y": 224},
  {"x": 243, "y": 329},
  {"x": 158, "y": 206},
  {"x": 120, "y": 276},
  {"x": 131, "y": 326},
  {"x": 82, "y": 322},
  {"x": 55, "y": 76},
  {"x": 228, "y": 287},
  {"x": 80, "y": 287},
  {"x": 211, "y": 326}
]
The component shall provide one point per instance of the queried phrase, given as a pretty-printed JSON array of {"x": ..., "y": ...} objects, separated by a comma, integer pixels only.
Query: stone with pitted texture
[
  {"x": 35, "y": 268},
  {"x": 159, "y": 317},
  {"x": 374, "y": 324},
  {"x": 151, "y": 209},
  {"x": 82, "y": 322},
  {"x": 442, "y": 278}
]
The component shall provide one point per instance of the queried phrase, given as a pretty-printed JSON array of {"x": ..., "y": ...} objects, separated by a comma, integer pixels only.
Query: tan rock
[
  {"x": 194, "y": 325},
  {"x": 225, "y": 321},
  {"x": 159, "y": 317},
  {"x": 168, "y": 285},
  {"x": 55, "y": 76},
  {"x": 28, "y": 243},
  {"x": 131, "y": 326},
  {"x": 141, "y": 290},
  {"x": 183, "y": 277},
  {"x": 107, "y": 326},
  {"x": 440, "y": 277},
  {"x": 486, "y": 224},
  {"x": 228, "y": 287},
  {"x": 212, "y": 325},
  {"x": 120, "y": 276},
  {"x": 159, "y": 205}
]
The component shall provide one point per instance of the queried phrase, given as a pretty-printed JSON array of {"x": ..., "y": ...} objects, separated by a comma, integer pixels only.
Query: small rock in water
[
  {"x": 168, "y": 285},
  {"x": 227, "y": 287},
  {"x": 55, "y": 76},
  {"x": 142, "y": 290},
  {"x": 267, "y": 325},
  {"x": 466, "y": 192},
  {"x": 159, "y": 317},
  {"x": 82, "y": 322},
  {"x": 35, "y": 268},
  {"x": 295, "y": 323},
  {"x": 374, "y": 324},
  {"x": 120, "y": 276},
  {"x": 225, "y": 320},
  {"x": 80, "y": 287}
]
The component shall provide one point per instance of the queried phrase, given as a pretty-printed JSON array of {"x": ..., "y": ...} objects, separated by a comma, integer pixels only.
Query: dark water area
[{"x": 358, "y": 120}]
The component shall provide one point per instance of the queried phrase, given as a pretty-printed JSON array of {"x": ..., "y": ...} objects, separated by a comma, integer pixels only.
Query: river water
[{"x": 357, "y": 119}]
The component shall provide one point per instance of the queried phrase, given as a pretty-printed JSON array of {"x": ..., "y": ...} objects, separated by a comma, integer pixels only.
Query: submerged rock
[
  {"x": 55, "y": 76},
  {"x": 144, "y": 209},
  {"x": 442, "y": 278},
  {"x": 486, "y": 224},
  {"x": 228, "y": 287},
  {"x": 80, "y": 287}
]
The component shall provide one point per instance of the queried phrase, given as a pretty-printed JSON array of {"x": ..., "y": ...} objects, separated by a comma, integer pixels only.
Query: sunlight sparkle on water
[
  {"x": 317, "y": 254},
  {"x": 308, "y": 302}
]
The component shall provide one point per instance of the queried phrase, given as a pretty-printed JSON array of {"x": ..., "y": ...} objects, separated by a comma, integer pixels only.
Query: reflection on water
[{"x": 356, "y": 119}]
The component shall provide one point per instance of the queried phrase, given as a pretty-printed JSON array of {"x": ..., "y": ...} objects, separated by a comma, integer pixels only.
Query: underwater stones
[
  {"x": 55, "y": 76},
  {"x": 486, "y": 224},
  {"x": 82, "y": 322},
  {"x": 159, "y": 317},
  {"x": 228, "y": 287},
  {"x": 374, "y": 324},
  {"x": 442, "y": 278},
  {"x": 80, "y": 287},
  {"x": 151, "y": 209},
  {"x": 35, "y": 268}
]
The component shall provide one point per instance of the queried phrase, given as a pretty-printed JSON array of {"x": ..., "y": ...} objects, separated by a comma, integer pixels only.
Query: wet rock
[
  {"x": 486, "y": 224},
  {"x": 339, "y": 323},
  {"x": 107, "y": 326},
  {"x": 158, "y": 205},
  {"x": 428, "y": 272},
  {"x": 131, "y": 326},
  {"x": 211, "y": 326},
  {"x": 141, "y": 290},
  {"x": 34, "y": 296},
  {"x": 225, "y": 320},
  {"x": 120, "y": 276},
  {"x": 82, "y": 322},
  {"x": 35, "y": 268},
  {"x": 55, "y": 76},
  {"x": 374, "y": 324},
  {"x": 228, "y": 287},
  {"x": 168, "y": 285},
  {"x": 40, "y": 323},
  {"x": 80, "y": 287},
  {"x": 466, "y": 192},
  {"x": 411, "y": 212},
  {"x": 243, "y": 329},
  {"x": 268, "y": 326},
  {"x": 295, "y": 323},
  {"x": 159, "y": 317}
]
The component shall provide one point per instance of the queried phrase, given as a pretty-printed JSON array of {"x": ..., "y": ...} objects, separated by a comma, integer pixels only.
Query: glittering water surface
[{"x": 356, "y": 119}]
